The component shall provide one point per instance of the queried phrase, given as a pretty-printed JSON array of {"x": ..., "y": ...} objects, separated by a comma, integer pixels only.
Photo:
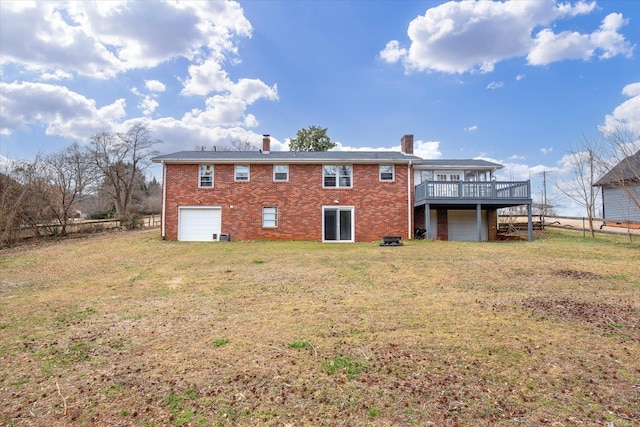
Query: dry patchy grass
[{"x": 126, "y": 329}]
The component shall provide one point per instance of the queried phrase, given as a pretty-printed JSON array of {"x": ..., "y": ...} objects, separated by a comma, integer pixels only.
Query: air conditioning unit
[{"x": 225, "y": 237}]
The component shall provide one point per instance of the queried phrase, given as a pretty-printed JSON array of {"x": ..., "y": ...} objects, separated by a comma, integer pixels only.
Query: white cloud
[
  {"x": 219, "y": 111},
  {"x": 179, "y": 135},
  {"x": 424, "y": 149},
  {"x": 520, "y": 77},
  {"x": 471, "y": 128},
  {"x": 155, "y": 85},
  {"x": 103, "y": 39},
  {"x": 61, "y": 111},
  {"x": 495, "y": 85},
  {"x": 393, "y": 52},
  {"x": 550, "y": 47},
  {"x": 473, "y": 36},
  {"x": 148, "y": 105},
  {"x": 251, "y": 90},
  {"x": 57, "y": 75},
  {"x": 206, "y": 77},
  {"x": 626, "y": 116},
  {"x": 546, "y": 150}
]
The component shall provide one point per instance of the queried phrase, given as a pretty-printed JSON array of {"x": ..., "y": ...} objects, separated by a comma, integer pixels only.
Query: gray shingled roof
[
  {"x": 286, "y": 156},
  {"x": 457, "y": 164},
  {"x": 627, "y": 170}
]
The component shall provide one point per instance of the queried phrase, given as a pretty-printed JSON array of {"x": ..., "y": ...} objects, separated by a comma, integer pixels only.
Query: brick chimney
[
  {"x": 266, "y": 144},
  {"x": 406, "y": 144}
]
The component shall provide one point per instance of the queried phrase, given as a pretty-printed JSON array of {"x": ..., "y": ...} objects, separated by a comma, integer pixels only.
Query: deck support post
[
  {"x": 427, "y": 221},
  {"x": 529, "y": 222},
  {"x": 479, "y": 221}
]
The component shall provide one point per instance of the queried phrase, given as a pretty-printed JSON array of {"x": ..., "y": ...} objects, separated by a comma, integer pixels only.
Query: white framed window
[
  {"x": 340, "y": 176},
  {"x": 441, "y": 177},
  {"x": 387, "y": 173},
  {"x": 454, "y": 177},
  {"x": 281, "y": 172},
  {"x": 206, "y": 176},
  {"x": 241, "y": 173},
  {"x": 269, "y": 216}
]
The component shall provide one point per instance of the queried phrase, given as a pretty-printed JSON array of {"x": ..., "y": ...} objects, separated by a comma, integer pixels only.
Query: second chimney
[
  {"x": 406, "y": 144},
  {"x": 266, "y": 144}
]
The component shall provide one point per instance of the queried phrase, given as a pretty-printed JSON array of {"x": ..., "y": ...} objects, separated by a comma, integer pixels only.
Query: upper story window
[
  {"x": 281, "y": 172},
  {"x": 241, "y": 173},
  {"x": 337, "y": 176},
  {"x": 206, "y": 176},
  {"x": 441, "y": 177},
  {"x": 387, "y": 173},
  {"x": 454, "y": 177}
]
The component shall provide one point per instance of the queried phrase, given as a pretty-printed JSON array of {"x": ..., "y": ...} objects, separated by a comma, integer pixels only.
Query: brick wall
[
  {"x": 380, "y": 208},
  {"x": 492, "y": 221},
  {"x": 443, "y": 224}
]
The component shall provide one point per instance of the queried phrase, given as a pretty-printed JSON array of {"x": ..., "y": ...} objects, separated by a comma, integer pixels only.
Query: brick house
[{"x": 333, "y": 196}]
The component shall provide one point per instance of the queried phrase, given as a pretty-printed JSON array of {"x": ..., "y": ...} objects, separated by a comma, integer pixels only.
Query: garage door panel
[
  {"x": 199, "y": 224},
  {"x": 463, "y": 225}
]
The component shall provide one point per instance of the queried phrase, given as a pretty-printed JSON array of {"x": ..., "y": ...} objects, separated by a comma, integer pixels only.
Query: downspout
[
  {"x": 409, "y": 204},
  {"x": 164, "y": 198}
]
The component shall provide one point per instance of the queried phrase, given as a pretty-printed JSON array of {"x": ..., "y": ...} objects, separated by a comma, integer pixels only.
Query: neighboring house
[
  {"x": 332, "y": 196},
  {"x": 621, "y": 191}
]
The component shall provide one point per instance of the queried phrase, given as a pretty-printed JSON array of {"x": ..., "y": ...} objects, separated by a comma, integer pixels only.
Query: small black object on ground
[{"x": 391, "y": 241}]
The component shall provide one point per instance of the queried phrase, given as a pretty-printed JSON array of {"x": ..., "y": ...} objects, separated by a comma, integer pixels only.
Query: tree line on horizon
[{"x": 105, "y": 179}]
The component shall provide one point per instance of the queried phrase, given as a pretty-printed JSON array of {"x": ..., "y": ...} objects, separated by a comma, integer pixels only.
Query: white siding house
[{"x": 621, "y": 191}]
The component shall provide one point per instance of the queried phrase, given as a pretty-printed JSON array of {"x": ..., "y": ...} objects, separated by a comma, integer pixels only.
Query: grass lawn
[{"x": 125, "y": 329}]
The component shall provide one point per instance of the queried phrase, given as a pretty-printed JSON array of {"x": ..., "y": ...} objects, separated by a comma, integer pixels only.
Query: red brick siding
[
  {"x": 380, "y": 207},
  {"x": 443, "y": 224},
  {"x": 492, "y": 222}
]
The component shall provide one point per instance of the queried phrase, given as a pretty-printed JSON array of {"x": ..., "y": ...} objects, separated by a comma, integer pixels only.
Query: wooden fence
[{"x": 82, "y": 226}]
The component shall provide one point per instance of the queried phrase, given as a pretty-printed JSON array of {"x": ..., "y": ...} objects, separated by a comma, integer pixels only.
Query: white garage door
[
  {"x": 199, "y": 224},
  {"x": 463, "y": 225}
]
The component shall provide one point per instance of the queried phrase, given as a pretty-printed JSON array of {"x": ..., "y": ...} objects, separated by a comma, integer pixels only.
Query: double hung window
[
  {"x": 337, "y": 176},
  {"x": 241, "y": 173},
  {"x": 387, "y": 173},
  {"x": 281, "y": 172},
  {"x": 206, "y": 176}
]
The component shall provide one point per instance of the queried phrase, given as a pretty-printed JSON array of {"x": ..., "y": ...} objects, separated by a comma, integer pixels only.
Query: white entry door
[{"x": 199, "y": 224}]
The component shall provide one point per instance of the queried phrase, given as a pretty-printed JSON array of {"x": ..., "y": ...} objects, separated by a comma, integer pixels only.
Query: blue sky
[{"x": 516, "y": 82}]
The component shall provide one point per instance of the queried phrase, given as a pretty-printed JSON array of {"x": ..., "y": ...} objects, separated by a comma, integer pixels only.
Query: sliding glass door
[{"x": 337, "y": 224}]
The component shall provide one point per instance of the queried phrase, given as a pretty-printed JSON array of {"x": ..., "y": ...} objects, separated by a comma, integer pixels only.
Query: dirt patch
[
  {"x": 619, "y": 318},
  {"x": 576, "y": 274}
]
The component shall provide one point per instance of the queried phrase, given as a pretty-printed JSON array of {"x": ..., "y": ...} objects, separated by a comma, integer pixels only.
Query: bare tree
[
  {"x": 69, "y": 173},
  {"x": 12, "y": 200},
  {"x": 236, "y": 145},
  {"x": 121, "y": 160},
  {"x": 584, "y": 168},
  {"x": 20, "y": 204},
  {"x": 244, "y": 145}
]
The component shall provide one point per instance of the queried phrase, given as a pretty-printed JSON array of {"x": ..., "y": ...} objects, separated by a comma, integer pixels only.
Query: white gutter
[
  {"x": 409, "y": 207},
  {"x": 164, "y": 198}
]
